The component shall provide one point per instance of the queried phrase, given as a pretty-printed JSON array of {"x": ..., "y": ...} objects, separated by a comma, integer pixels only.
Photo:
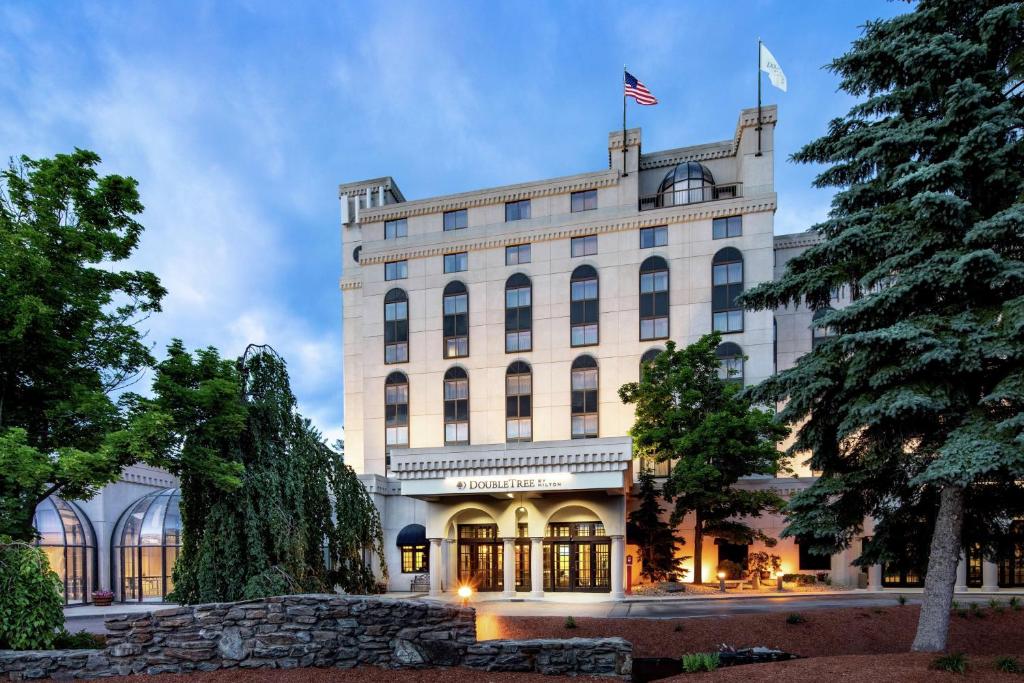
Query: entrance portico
[{"x": 525, "y": 517}]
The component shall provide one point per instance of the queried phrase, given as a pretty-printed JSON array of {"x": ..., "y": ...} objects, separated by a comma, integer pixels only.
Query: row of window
[
  {"x": 586, "y": 245},
  {"x": 519, "y": 398},
  {"x": 584, "y": 313}
]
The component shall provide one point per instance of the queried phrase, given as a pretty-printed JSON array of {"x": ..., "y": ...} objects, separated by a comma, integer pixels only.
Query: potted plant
[{"x": 102, "y": 598}]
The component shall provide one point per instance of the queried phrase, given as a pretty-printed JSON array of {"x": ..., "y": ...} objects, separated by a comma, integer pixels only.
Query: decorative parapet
[{"x": 712, "y": 150}]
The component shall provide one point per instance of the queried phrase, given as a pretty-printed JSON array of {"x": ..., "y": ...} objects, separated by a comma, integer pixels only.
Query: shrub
[
  {"x": 796, "y": 618},
  {"x": 570, "y": 622},
  {"x": 801, "y": 579},
  {"x": 678, "y": 628},
  {"x": 1015, "y": 603},
  {"x": 961, "y": 612},
  {"x": 976, "y": 610},
  {"x": 1009, "y": 665},
  {"x": 83, "y": 640},
  {"x": 31, "y": 604},
  {"x": 902, "y": 599},
  {"x": 732, "y": 569},
  {"x": 700, "y": 661},
  {"x": 955, "y": 662}
]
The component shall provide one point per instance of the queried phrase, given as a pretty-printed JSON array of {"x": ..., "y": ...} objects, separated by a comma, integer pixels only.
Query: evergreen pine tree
[
  {"x": 652, "y": 534},
  {"x": 912, "y": 410},
  {"x": 686, "y": 413}
]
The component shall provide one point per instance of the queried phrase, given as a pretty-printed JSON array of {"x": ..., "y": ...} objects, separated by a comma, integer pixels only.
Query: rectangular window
[
  {"x": 517, "y": 211},
  {"x": 584, "y": 246},
  {"x": 396, "y": 270},
  {"x": 456, "y": 220},
  {"x": 584, "y": 201},
  {"x": 395, "y": 229},
  {"x": 456, "y": 326},
  {"x": 396, "y": 414},
  {"x": 518, "y": 319},
  {"x": 584, "y": 403},
  {"x": 396, "y": 332},
  {"x": 583, "y": 312},
  {"x": 516, "y": 254},
  {"x": 653, "y": 237},
  {"x": 456, "y": 411},
  {"x": 456, "y": 263},
  {"x": 727, "y": 227},
  {"x": 414, "y": 559},
  {"x": 729, "y": 321}
]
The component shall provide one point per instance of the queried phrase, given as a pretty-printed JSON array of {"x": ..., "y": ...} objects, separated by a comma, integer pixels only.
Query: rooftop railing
[{"x": 692, "y": 195}]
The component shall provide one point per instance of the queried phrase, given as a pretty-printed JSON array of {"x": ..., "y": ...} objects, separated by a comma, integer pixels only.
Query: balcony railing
[{"x": 693, "y": 195}]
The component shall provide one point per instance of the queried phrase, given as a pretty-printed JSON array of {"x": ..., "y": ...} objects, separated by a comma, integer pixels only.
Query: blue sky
[{"x": 239, "y": 119}]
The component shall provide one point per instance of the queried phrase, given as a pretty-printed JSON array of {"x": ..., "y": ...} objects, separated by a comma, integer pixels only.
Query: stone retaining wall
[{"x": 312, "y": 630}]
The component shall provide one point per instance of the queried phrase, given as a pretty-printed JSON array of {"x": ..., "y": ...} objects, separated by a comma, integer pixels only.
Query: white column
[
  {"x": 369, "y": 198},
  {"x": 509, "y": 568},
  {"x": 380, "y": 196},
  {"x": 344, "y": 209},
  {"x": 961, "y": 575},
  {"x": 536, "y": 567},
  {"x": 451, "y": 567},
  {"x": 875, "y": 577},
  {"x": 618, "y": 567},
  {"x": 989, "y": 576},
  {"x": 435, "y": 567},
  {"x": 357, "y": 200}
]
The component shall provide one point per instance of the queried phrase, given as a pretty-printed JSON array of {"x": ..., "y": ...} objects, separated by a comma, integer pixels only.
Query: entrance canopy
[{"x": 412, "y": 534}]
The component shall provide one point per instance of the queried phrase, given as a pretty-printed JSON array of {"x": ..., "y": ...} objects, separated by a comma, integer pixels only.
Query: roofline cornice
[
  {"x": 712, "y": 150},
  {"x": 497, "y": 195},
  {"x": 645, "y": 219}
]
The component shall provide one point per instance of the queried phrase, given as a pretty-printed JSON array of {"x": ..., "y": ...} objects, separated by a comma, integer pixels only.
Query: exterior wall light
[{"x": 465, "y": 593}]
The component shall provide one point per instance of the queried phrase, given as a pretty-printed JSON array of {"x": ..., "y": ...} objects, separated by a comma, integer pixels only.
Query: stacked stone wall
[{"x": 312, "y": 630}]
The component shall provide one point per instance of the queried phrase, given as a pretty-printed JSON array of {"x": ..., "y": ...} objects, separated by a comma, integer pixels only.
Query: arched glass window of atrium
[
  {"x": 584, "y": 398},
  {"x": 649, "y": 355},
  {"x": 456, "y": 406},
  {"x": 726, "y": 286},
  {"x": 456, "y": 320},
  {"x": 819, "y": 332},
  {"x": 518, "y": 314},
  {"x": 396, "y": 414},
  {"x": 518, "y": 402},
  {"x": 583, "y": 307},
  {"x": 67, "y": 539},
  {"x": 688, "y": 183},
  {"x": 396, "y": 327},
  {"x": 147, "y": 539},
  {"x": 653, "y": 299},
  {"x": 730, "y": 362}
]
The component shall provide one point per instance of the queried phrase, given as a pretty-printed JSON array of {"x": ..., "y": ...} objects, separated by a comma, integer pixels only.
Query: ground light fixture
[
  {"x": 465, "y": 593},
  {"x": 721, "y": 581}
]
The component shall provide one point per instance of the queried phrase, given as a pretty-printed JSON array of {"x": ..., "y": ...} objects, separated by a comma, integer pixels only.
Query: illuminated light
[
  {"x": 465, "y": 592},
  {"x": 721, "y": 575}
]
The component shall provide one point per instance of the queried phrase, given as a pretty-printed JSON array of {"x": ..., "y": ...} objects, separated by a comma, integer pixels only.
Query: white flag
[{"x": 772, "y": 68}]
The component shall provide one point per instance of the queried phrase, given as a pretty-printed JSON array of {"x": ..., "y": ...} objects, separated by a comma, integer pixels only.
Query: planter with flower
[{"x": 102, "y": 598}]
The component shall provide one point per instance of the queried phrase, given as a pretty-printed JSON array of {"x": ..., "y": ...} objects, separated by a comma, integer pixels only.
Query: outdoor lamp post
[
  {"x": 778, "y": 580},
  {"x": 721, "y": 581},
  {"x": 465, "y": 592}
]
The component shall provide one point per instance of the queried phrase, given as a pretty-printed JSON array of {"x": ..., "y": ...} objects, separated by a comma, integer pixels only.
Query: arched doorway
[
  {"x": 577, "y": 552},
  {"x": 67, "y": 539},
  {"x": 479, "y": 550}
]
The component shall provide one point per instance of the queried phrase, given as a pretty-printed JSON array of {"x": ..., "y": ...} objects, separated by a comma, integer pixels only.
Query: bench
[{"x": 420, "y": 583}]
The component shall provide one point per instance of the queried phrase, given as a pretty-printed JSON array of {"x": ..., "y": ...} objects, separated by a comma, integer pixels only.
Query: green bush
[
  {"x": 570, "y": 622},
  {"x": 1015, "y": 603},
  {"x": 801, "y": 579},
  {"x": 796, "y": 618},
  {"x": 902, "y": 599},
  {"x": 82, "y": 640},
  {"x": 699, "y": 661},
  {"x": 1009, "y": 665},
  {"x": 732, "y": 570},
  {"x": 954, "y": 663},
  {"x": 31, "y": 604}
]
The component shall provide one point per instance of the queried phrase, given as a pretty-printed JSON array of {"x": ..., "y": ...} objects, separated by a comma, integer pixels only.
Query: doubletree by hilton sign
[{"x": 512, "y": 483}]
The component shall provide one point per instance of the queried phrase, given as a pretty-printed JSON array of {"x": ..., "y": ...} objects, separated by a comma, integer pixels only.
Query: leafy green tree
[
  {"x": 265, "y": 502},
  {"x": 688, "y": 414},
  {"x": 31, "y": 604},
  {"x": 652, "y": 534},
  {"x": 68, "y": 332},
  {"x": 914, "y": 409}
]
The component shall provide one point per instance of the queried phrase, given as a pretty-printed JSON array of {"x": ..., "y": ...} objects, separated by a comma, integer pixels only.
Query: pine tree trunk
[
  {"x": 698, "y": 547},
  {"x": 933, "y": 624}
]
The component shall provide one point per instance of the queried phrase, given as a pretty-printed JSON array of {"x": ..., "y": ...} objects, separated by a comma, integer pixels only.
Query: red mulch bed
[
  {"x": 849, "y": 631},
  {"x": 360, "y": 675}
]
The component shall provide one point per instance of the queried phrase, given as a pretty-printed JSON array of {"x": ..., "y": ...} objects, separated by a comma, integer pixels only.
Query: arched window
[
  {"x": 518, "y": 314},
  {"x": 649, "y": 355},
  {"x": 653, "y": 299},
  {"x": 456, "y": 320},
  {"x": 726, "y": 286},
  {"x": 412, "y": 544},
  {"x": 819, "y": 332},
  {"x": 583, "y": 307},
  {"x": 456, "y": 406},
  {"x": 396, "y": 327},
  {"x": 66, "y": 538},
  {"x": 730, "y": 362},
  {"x": 147, "y": 540},
  {"x": 518, "y": 402},
  {"x": 396, "y": 412},
  {"x": 687, "y": 183},
  {"x": 584, "y": 398}
]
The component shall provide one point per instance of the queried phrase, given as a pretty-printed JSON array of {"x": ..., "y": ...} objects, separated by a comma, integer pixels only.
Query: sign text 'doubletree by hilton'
[{"x": 499, "y": 483}]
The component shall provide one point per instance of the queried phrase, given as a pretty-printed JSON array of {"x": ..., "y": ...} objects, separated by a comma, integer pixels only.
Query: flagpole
[
  {"x": 758, "y": 97},
  {"x": 625, "y": 169}
]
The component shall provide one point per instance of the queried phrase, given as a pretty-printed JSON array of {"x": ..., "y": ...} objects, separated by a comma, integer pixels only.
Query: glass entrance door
[
  {"x": 480, "y": 557},
  {"x": 577, "y": 557}
]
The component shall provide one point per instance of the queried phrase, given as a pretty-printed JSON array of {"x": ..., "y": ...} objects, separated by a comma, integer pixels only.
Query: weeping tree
[
  {"x": 267, "y": 507},
  {"x": 913, "y": 410}
]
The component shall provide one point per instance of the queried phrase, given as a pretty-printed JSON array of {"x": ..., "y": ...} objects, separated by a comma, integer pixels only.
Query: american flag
[{"x": 638, "y": 91}]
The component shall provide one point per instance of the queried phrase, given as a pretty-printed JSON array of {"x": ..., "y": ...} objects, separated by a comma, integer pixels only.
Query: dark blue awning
[{"x": 413, "y": 534}]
